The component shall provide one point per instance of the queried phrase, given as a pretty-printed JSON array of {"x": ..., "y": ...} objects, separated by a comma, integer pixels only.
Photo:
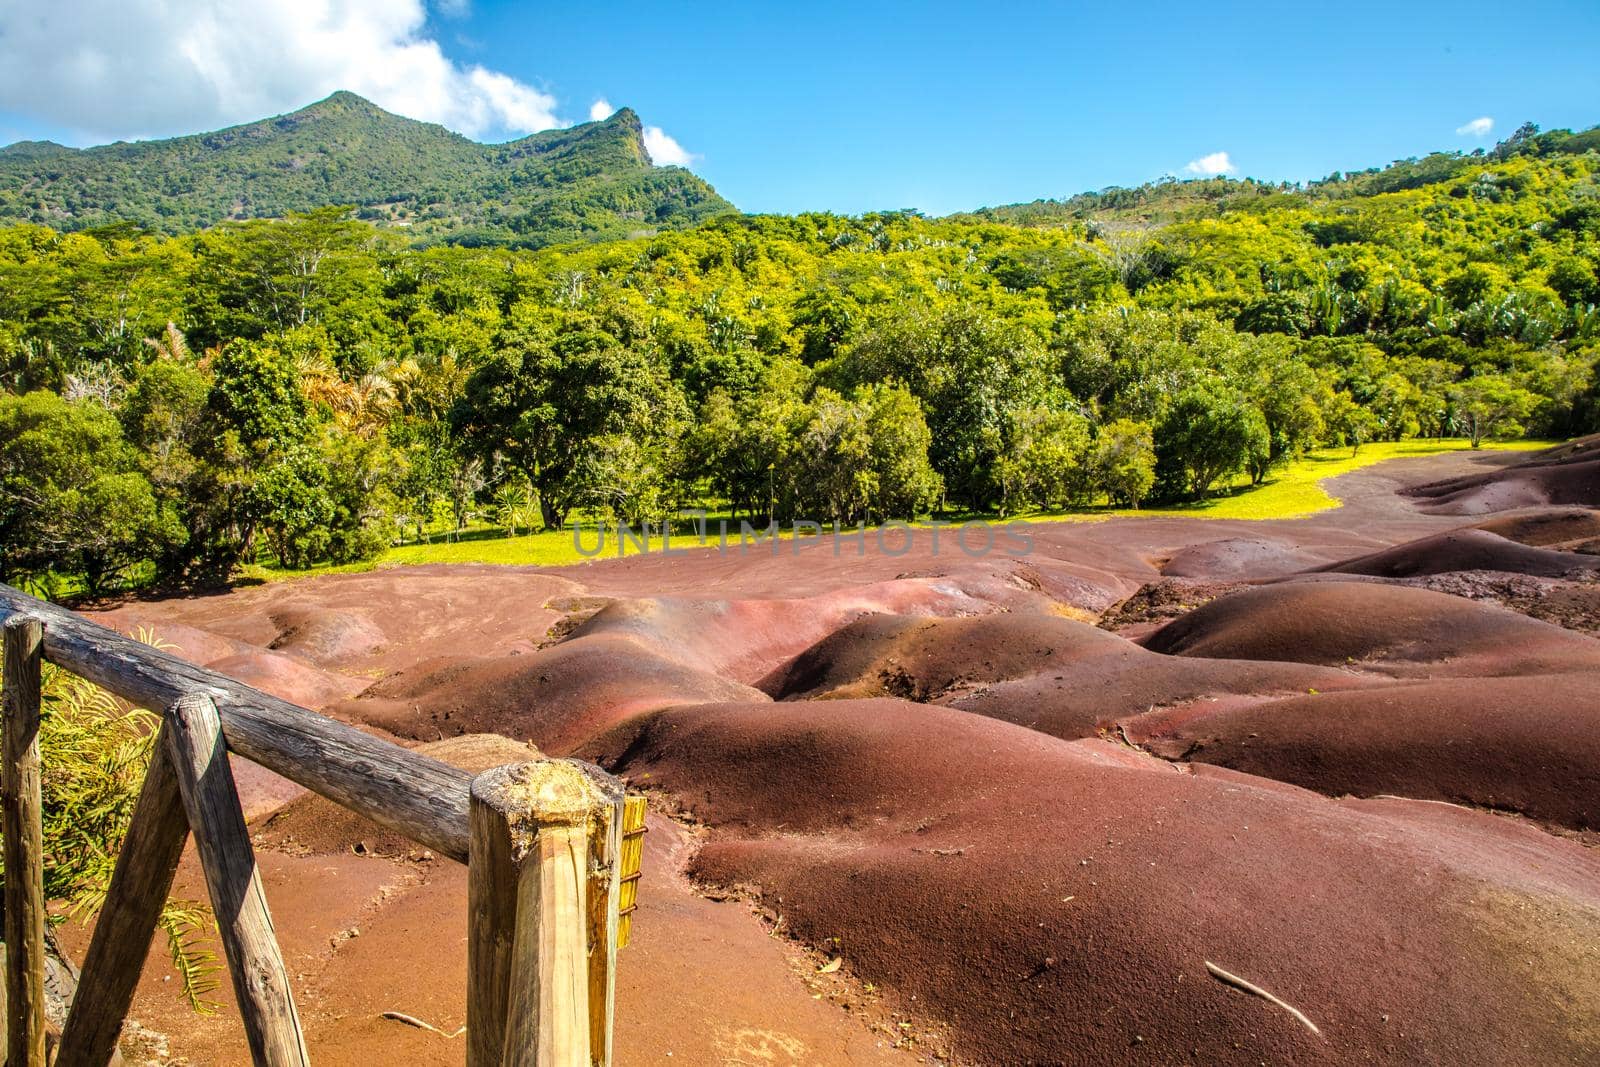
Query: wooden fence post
[
  {"x": 200, "y": 758},
  {"x": 23, "y": 826},
  {"x": 127, "y": 921},
  {"x": 541, "y": 900}
]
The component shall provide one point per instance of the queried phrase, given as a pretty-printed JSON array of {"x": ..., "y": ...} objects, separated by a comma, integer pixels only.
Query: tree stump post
[
  {"x": 23, "y": 826},
  {"x": 200, "y": 758},
  {"x": 542, "y": 889}
]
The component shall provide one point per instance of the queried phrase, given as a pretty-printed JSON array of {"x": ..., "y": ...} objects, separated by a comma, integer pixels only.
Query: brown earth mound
[
  {"x": 555, "y": 697},
  {"x": 1083, "y": 888},
  {"x": 923, "y": 659},
  {"x": 287, "y": 677},
  {"x": 326, "y": 636},
  {"x": 1567, "y": 474},
  {"x": 1563, "y": 528},
  {"x": 1056, "y": 675},
  {"x": 1530, "y": 745},
  {"x": 743, "y": 639},
  {"x": 1464, "y": 550},
  {"x": 1387, "y": 629},
  {"x": 1234, "y": 557}
]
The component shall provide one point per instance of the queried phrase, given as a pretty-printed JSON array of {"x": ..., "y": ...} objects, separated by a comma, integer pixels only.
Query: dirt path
[{"x": 703, "y": 981}]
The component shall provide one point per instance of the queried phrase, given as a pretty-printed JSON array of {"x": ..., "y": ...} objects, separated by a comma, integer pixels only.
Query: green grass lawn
[
  {"x": 1296, "y": 490},
  {"x": 1291, "y": 492}
]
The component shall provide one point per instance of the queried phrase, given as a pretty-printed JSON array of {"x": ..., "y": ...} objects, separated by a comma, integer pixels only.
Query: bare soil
[{"x": 936, "y": 808}]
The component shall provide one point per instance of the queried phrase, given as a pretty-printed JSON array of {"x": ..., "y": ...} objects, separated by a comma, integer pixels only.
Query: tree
[
  {"x": 1347, "y": 422},
  {"x": 72, "y": 498},
  {"x": 737, "y": 442},
  {"x": 1286, "y": 391},
  {"x": 163, "y": 416},
  {"x": 255, "y": 393},
  {"x": 1043, "y": 462},
  {"x": 1208, "y": 433},
  {"x": 1123, "y": 461},
  {"x": 1491, "y": 405},
  {"x": 860, "y": 458},
  {"x": 828, "y": 473},
  {"x": 899, "y": 441},
  {"x": 290, "y": 503},
  {"x": 970, "y": 369},
  {"x": 513, "y": 504},
  {"x": 545, "y": 401},
  {"x": 265, "y": 275}
]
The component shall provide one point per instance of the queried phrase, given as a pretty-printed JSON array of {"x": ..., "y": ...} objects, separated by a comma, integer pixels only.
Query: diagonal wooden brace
[
  {"x": 127, "y": 922},
  {"x": 200, "y": 758}
]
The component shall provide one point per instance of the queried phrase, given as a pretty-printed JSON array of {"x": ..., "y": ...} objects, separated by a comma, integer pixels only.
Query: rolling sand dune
[
  {"x": 1058, "y": 676},
  {"x": 1566, "y": 474},
  {"x": 1385, "y": 629},
  {"x": 1465, "y": 550},
  {"x": 1088, "y": 886},
  {"x": 1567, "y": 528},
  {"x": 1349, "y": 758},
  {"x": 1527, "y": 744}
]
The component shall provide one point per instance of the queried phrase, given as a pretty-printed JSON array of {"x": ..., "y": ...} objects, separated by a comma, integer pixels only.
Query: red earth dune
[
  {"x": 1569, "y": 528},
  {"x": 1386, "y": 629},
  {"x": 1080, "y": 889},
  {"x": 1566, "y": 474},
  {"x": 1465, "y": 550},
  {"x": 1344, "y": 760},
  {"x": 1524, "y": 744}
]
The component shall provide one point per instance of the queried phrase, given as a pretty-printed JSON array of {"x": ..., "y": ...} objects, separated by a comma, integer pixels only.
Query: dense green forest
[
  {"x": 592, "y": 181},
  {"x": 317, "y": 388}
]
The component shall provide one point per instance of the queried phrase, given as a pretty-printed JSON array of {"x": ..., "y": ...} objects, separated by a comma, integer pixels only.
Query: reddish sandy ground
[{"x": 1023, "y": 799}]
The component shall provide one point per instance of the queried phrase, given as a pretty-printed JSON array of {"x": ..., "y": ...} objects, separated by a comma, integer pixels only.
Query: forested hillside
[
  {"x": 324, "y": 389},
  {"x": 589, "y": 182}
]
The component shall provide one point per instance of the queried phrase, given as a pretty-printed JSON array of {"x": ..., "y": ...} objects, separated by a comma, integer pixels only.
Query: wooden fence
[{"x": 543, "y": 843}]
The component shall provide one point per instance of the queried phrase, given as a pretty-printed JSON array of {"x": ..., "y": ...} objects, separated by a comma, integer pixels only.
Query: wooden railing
[{"x": 543, "y": 843}]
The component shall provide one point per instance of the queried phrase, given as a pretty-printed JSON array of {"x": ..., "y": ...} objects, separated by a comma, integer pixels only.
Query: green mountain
[
  {"x": 1173, "y": 200},
  {"x": 588, "y": 182}
]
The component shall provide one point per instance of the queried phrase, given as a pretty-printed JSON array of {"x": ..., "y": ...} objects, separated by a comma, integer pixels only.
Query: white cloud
[
  {"x": 600, "y": 109},
  {"x": 1211, "y": 166},
  {"x": 1477, "y": 127},
  {"x": 664, "y": 151},
  {"x": 150, "y": 68}
]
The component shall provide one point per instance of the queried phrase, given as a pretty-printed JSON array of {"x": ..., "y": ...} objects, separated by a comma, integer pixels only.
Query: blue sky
[{"x": 852, "y": 107}]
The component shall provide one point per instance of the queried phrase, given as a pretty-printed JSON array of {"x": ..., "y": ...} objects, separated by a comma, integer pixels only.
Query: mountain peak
[
  {"x": 585, "y": 182},
  {"x": 626, "y": 116},
  {"x": 35, "y": 149},
  {"x": 341, "y": 104}
]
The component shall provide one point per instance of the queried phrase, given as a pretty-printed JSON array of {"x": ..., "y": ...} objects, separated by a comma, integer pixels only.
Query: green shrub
[{"x": 94, "y": 752}]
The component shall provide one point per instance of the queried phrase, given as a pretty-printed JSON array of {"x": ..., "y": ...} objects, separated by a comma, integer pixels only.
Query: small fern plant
[{"x": 93, "y": 753}]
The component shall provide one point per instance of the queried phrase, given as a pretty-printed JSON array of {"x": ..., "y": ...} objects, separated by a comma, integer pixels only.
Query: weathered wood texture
[
  {"x": 200, "y": 757},
  {"x": 23, "y": 826},
  {"x": 127, "y": 921},
  {"x": 604, "y": 912},
  {"x": 631, "y": 864},
  {"x": 534, "y": 872},
  {"x": 417, "y": 796}
]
